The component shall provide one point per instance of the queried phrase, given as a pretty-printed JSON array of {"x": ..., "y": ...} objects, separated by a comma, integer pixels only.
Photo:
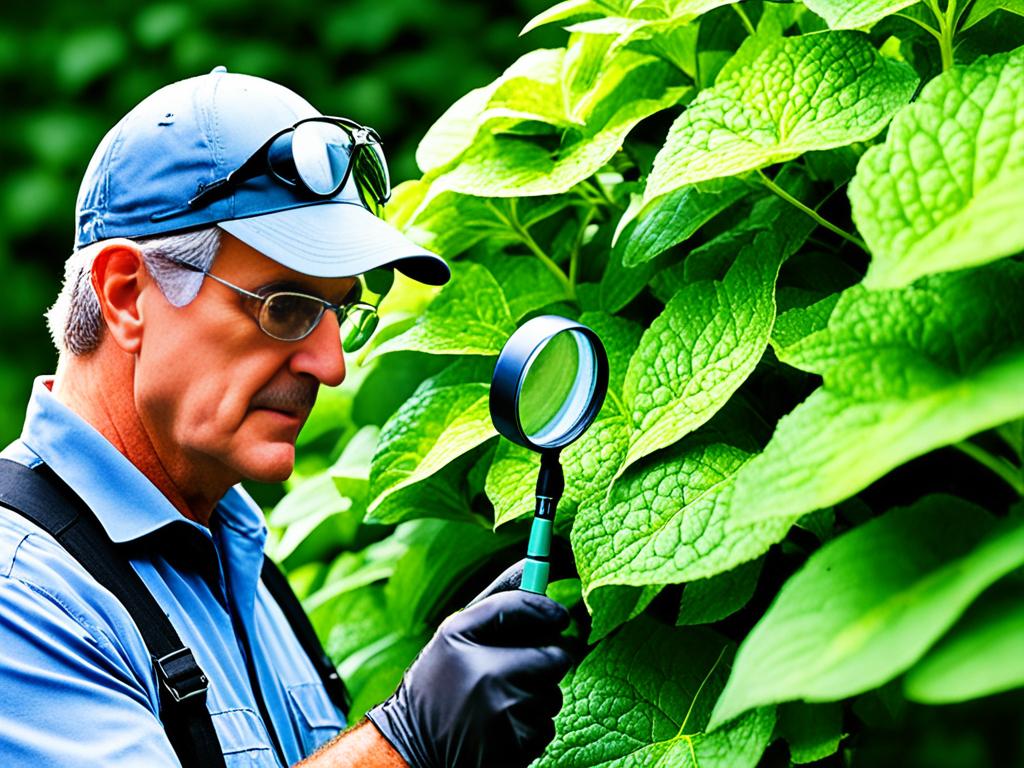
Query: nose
[{"x": 320, "y": 354}]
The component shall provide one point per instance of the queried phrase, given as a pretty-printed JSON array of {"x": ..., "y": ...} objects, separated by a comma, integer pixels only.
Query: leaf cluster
[{"x": 799, "y": 237}]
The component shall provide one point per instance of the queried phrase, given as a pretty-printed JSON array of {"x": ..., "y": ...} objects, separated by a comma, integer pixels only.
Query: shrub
[{"x": 796, "y": 519}]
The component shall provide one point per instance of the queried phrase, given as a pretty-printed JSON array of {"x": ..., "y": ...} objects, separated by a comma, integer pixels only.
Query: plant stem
[
  {"x": 947, "y": 29},
  {"x": 1014, "y": 476},
  {"x": 744, "y": 18},
  {"x": 812, "y": 213},
  {"x": 604, "y": 197},
  {"x": 926, "y": 27},
  {"x": 574, "y": 258},
  {"x": 527, "y": 239}
]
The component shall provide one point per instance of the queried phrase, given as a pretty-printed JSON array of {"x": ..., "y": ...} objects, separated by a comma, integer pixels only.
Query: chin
[{"x": 271, "y": 463}]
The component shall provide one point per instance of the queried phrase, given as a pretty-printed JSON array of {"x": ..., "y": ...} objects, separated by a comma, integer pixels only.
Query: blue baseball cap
[{"x": 195, "y": 131}]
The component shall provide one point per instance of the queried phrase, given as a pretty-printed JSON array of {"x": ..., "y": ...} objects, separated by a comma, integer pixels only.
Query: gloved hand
[{"x": 484, "y": 691}]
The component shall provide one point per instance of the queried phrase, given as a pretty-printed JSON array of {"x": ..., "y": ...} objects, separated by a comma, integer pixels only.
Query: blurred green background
[{"x": 70, "y": 70}]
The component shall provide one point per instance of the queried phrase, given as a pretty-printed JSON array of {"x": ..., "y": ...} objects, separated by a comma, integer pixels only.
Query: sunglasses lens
[
  {"x": 321, "y": 153},
  {"x": 289, "y": 316},
  {"x": 372, "y": 172},
  {"x": 358, "y": 326}
]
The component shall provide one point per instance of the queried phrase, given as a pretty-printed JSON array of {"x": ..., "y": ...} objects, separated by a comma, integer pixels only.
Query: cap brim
[{"x": 336, "y": 239}]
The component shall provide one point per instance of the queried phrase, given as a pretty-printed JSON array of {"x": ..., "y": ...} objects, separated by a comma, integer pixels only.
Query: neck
[{"x": 98, "y": 387}]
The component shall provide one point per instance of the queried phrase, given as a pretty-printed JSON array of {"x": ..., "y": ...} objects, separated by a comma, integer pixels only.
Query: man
[{"x": 222, "y": 229}]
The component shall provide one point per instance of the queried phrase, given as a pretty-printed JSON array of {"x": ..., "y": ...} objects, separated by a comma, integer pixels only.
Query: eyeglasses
[
  {"x": 291, "y": 316},
  {"x": 316, "y": 155}
]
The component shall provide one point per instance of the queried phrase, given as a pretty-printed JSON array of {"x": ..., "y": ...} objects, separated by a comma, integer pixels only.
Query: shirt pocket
[
  {"x": 314, "y": 714},
  {"x": 243, "y": 739}
]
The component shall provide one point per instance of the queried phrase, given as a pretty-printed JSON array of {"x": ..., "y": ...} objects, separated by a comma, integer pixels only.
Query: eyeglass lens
[{"x": 292, "y": 316}]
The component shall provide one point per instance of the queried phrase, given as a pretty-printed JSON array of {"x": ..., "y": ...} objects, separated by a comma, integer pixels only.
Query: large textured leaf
[
  {"x": 796, "y": 95},
  {"x": 851, "y": 14},
  {"x": 432, "y": 428},
  {"x": 643, "y": 697},
  {"x": 906, "y": 371},
  {"x": 665, "y": 522},
  {"x": 469, "y": 317},
  {"x": 982, "y": 655},
  {"x": 705, "y": 343},
  {"x": 944, "y": 191},
  {"x": 502, "y": 164},
  {"x": 868, "y": 604}
]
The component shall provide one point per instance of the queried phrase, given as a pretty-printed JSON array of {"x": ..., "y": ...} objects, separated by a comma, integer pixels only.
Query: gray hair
[{"x": 75, "y": 321}]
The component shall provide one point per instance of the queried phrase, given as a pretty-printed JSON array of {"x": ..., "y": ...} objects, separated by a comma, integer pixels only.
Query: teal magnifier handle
[
  {"x": 538, "y": 551},
  {"x": 550, "y": 483}
]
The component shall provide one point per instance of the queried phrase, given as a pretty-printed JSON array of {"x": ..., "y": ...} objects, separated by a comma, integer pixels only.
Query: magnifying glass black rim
[{"x": 510, "y": 370}]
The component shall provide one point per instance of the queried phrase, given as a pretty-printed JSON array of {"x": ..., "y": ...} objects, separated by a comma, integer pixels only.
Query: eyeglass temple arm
[{"x": 216, "y": 188}]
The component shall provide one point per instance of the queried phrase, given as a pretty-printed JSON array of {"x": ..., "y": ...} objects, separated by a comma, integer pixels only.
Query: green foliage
[{"x": 800, "y": 241}]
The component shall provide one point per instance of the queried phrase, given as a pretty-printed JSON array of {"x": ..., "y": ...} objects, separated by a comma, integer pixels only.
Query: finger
[
  {"x": 537, "y": 669},
  {"x": 511, "y": 619},
  {"x": 533, "y": 731},
  {"x": 509, "y": 579}
]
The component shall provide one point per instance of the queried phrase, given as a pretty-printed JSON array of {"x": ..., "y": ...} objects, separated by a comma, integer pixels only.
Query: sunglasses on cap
[
  {"x": 291, "y": 316},
  {"x": 316, "y": 155}
]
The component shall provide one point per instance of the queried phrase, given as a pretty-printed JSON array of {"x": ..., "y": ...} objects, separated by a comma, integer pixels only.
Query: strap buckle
[{"x": 181, "y": 675}]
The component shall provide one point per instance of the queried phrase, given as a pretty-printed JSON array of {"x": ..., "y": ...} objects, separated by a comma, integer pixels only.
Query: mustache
[{"x": 295, "y": 396}]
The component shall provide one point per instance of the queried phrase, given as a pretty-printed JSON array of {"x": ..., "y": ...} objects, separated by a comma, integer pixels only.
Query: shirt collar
[{"x": 124, "y": 500}]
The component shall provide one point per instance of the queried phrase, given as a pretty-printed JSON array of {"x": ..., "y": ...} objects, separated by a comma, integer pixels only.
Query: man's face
[{"x": 220, "y": 399}]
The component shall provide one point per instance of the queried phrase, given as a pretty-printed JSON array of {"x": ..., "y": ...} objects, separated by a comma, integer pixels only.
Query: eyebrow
[{"x": 297, "y": 286}]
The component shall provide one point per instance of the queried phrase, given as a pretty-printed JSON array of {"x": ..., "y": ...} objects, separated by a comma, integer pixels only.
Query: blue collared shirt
[{"x": 76, "y": 681}]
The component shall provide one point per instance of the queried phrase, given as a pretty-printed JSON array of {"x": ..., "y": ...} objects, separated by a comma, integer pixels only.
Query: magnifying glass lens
[{"x": 557, "y": 389}]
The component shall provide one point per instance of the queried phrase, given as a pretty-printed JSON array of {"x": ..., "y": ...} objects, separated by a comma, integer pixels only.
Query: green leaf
[
  {"x": 853, "y": 14},
  {"x": 943, "y": 192},
  {"x": 982, "y": 9},
  {"x": 813, "y": 731},
  {"x": 444, "y": 495},
  {"x": 709, "y": 600},
  {"x": 667, "y": 221},
  {"x": 868, "y": 604},
  {"x": 469, "y": 317},
  {"x": 359, "y": 618},
  {"x": 373, "y": 672},
  {"x": 705, "y": 343},
  {"x": 441, "y": 556},
  {"x": 316, "y": 521},
  {"x": 643, "y": 697},
  {"x": 797, "y": 95},
  {"x": 527, "y": 284},
  {"x": 501, "y": 164},
  {"x": 665, "y": 522},
  {"x": 567, "y": 9},
  {"x": 906, "y": 371},
  {"x": 454, "y": 132},
  {"x": 982, "y": 655},
  {"x": 432, "y": 428},
  {"x": 799, "y": 323}
]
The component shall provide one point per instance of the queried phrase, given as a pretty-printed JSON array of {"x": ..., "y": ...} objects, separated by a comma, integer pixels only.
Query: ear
[{"x": 118, "y": 277}]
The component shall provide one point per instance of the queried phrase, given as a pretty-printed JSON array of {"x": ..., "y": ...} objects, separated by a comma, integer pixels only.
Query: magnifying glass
[{"x": 548, "y": 386}]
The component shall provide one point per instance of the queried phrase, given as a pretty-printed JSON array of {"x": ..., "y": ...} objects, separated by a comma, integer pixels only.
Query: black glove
[{"x": 484, "y": 691}]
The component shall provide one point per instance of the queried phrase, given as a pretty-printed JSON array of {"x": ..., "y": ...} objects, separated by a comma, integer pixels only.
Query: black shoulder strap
[
  {"x": 281, "y": 591},
  {"x": 42, "y": 497}
]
